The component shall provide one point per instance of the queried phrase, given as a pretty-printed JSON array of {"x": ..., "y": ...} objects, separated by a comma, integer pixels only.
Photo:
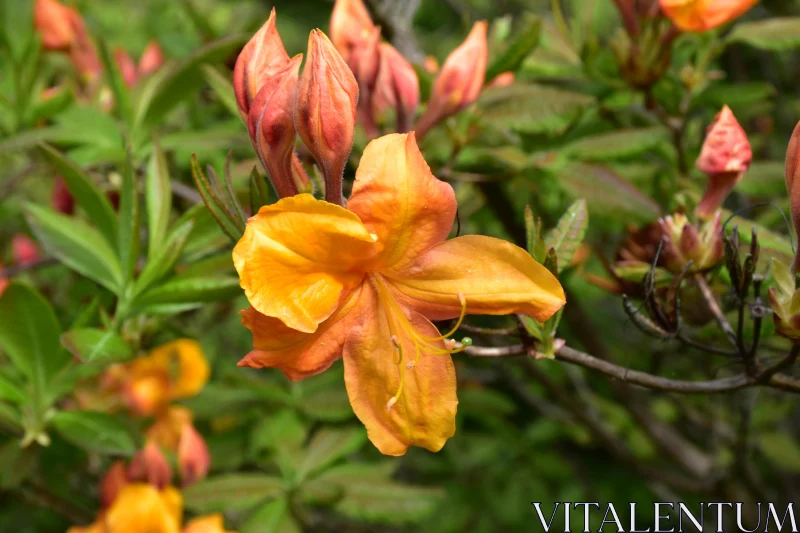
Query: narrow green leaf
[
  {"x": 329, "y": 445},
  {"x": 92, "y": 345},
  {"x": 122, "y": 97},
  {"x": 273, "y": 517},
  {"x": 568, "y": 234},
  {"x": 191, "y": 290},
  {"x": 231, "y": 492},
  {"x": 158, "y": 197},
  {"x": 512, "y": 57},
  {"x": 129, "y": 234},
  {"x": 87, "y": 194},
  {"x": 95, "y": 432},
  {"x": 222, "y": 87},
  {"x": 531, "y": 231},
  {"x": 163, "y": 260},
  {"x": 77, "y": 245},
  {"x": 616, "y": 144},
  {"x": 10, "y": 391},
  {"x": 259, "y": 191},
  {"x": 213, "y": 202},
  {"x": 29, "y": 333},
  {"x": 773, "y": 33},
  {"x": 234, "y": 207},
  {"x": 532, "y": 108}
]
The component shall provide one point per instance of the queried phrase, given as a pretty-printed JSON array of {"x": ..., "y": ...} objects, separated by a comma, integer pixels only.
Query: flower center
[{"x": 401, "y": 329}]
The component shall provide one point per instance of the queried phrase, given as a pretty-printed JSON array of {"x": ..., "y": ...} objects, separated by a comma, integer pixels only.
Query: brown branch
[{"x": 713, "y": 306}]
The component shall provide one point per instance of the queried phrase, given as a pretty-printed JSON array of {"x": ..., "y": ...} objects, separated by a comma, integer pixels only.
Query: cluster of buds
[
  {"x": 685, "y": 242},
  {"x": 724, "y": 158},
  {"x": 150, "y": 61},
  {"x": 63, "y": 30},
  {"x": 704, "y": 15}
]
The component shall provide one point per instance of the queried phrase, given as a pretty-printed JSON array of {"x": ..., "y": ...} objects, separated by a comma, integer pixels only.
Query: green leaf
[
  {"x": 512, "y": 57},
  {"x": 77, "y": 245},
  {"x": 29, "y": 335},
  {"x": 129, "y": 234},
  {"x": 213, "y": 202},
  {"x": 781, "y": 449},
  {"x": 163, "y": 260},
  {"x": 92, "y": 345},
  {"x": 532, "y": 108},
  {"x": 283, "y": 428},
  {"x": 765, "y": 178},
  {"x": 328, "y": 405},
  {"x": 274, "y": 517},
  {"x": 95, "y": 432},
  {"x": 232, "y": 492},
  {"x": 222, "y": 87},
  {"x": 616, "y": 144},
  {"x": 329, "y": 445},
  {"x": 158, "y": 198},
  {"x": 87, "y": 194},
  {"x": 191, "y": 290},
  {"x": 774, "y": 33},
  {"x": 568, "y": 235},
  {"x": 122, "y": 97},
  {"x": 10, "y": 391},
  {"x": 259, "y": 191}
]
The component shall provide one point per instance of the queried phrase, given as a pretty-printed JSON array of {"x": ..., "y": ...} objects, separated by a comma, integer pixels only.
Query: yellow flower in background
[
  {"x": 364, "y": 282},
  {"x": 704, "y": 15}
]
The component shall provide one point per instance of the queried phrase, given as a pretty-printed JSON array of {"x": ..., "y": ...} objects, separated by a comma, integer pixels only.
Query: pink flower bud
[
  {"x": 325, "y": 111},
  {"x": 258, "y": 61},
  {"x": 271, "y": 124},
  {"x": 150, "y": 465},
  {"x": 350, "y": 25},
  {"x": 460, "y": 80},
  {"x": 112, "y": 482},
  {"x": 193, "y": 457},
  {"x": 24, "y": 251},
  {"x": 725, "y": 157},
  {"x": 793, "y": 186},
  {"x": 152, "y": 59},
  {"x": 127, "y": 67},
  {"x": 61, "y": 198},
  {"x": 396, "y": 87}
]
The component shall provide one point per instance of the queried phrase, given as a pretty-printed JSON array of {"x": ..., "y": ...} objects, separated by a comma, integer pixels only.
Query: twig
[
  {"x": 186, "y": 192},
  {"x": 713, "y": 306}
]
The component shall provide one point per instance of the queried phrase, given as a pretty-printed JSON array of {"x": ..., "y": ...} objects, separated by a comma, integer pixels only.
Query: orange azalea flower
[
  {"x": 212, "y": 523},
  {"x": 364, "y": 282},
  {"x": 704, "y": 15}
]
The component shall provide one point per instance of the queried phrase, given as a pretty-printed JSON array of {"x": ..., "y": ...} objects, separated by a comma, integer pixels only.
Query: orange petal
[
  {"x": 141, "y": 507},
  {"x": 704, "y": 15},
  {"x": 494, "y": 276},
  {"x": 425, "y": 413},
  {"x": 212, "y": 523},
  {"x": 397, "y": 198},
  {"x": 299, "y": 355},
  {"x": 297, "y": 257},
  {"x": 186, "y": 364}
]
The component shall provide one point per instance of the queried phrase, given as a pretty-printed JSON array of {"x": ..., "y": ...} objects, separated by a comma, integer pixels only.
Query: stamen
[{"x": 463, "y": 301}]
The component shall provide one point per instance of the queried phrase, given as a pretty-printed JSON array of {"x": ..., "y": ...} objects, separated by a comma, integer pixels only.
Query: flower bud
[
  {"x": 683, "y": 243},
  {"x": 350, "y": 25},
  {"x": 704, "y": 15},
  {"x": 194, "y": 459},
  {"x": 24, "y": 251},
  {"x": 504, "y": 79},
  {"x": 150, "y": 465},
  {"x": 112, "y": 483},
  {"x": 396, "y": 87},
  {"x": 784, "y": 299},
  {"x": 460, "y": 80},
  {"x": 325, "y": 111},
  {"x": 54, "y": 22},
  {"x": 259, "y": 60},
  {"x": 127, "y": 67},
  {"x": 152, "y": 59},
  {"x": 725, "y": 157},
  {"x": 271, "y": 124},
  {"x": 61, "y": 198},
  {"x": 82, "y": 52},
  {"x": 793, "y": 186}
]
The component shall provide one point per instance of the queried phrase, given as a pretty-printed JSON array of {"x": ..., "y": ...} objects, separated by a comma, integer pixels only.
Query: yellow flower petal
[
  {"x": 398, "y": 199},
  {"x": 425, "y": 412},
  {"x": 297, "y": 354},
  {"x": 141, "y": 507},
  {"x": 186, "y": 364},
  {"x": 212, "y": 523},
  {"x": 494, "y": 276},
  {"x": 297, "y": 257}
]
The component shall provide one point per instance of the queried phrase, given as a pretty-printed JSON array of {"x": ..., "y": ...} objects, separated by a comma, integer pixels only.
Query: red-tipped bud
[
  {"x": 54, "y": 22},
  {"x": 152, "y": 59},
  {"x": 350, "y": 25},
  {"x": 127, "y": 67},
  {"x": 704, "y": 15},
  {"x": 193, "y": 457},
  {"x": 62, "y": 199},
  {"x": 259, "y": 60},
  {"x": 725, "y": 157},
  {"x": 365, "y": 60},
  {"x": 24, "y": 251},
  {"x": 112, "y": 483},
  {"x": 325, "y": 111},
  {"x": 82, "y": 53},
  {"x": 793, "y": 186},
  {"x": 504, "y": 79},
  {"x": 151, "y": 466},
  {"x": 397, "y": 87},
  {"x": 271, "y": 124},
  {"x": 460, "y": 81}
]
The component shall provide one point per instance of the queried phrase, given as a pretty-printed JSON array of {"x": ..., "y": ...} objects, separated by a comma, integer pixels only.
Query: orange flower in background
[
  {"x": 364, "y": 282},
  {"x": 350, "y": 26},
  {"x": 53, "y": 21},
  {"x": 460, "y": 80},
  {"x": 704, "y": 15},
  {"x": 725, "y": 157}
]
